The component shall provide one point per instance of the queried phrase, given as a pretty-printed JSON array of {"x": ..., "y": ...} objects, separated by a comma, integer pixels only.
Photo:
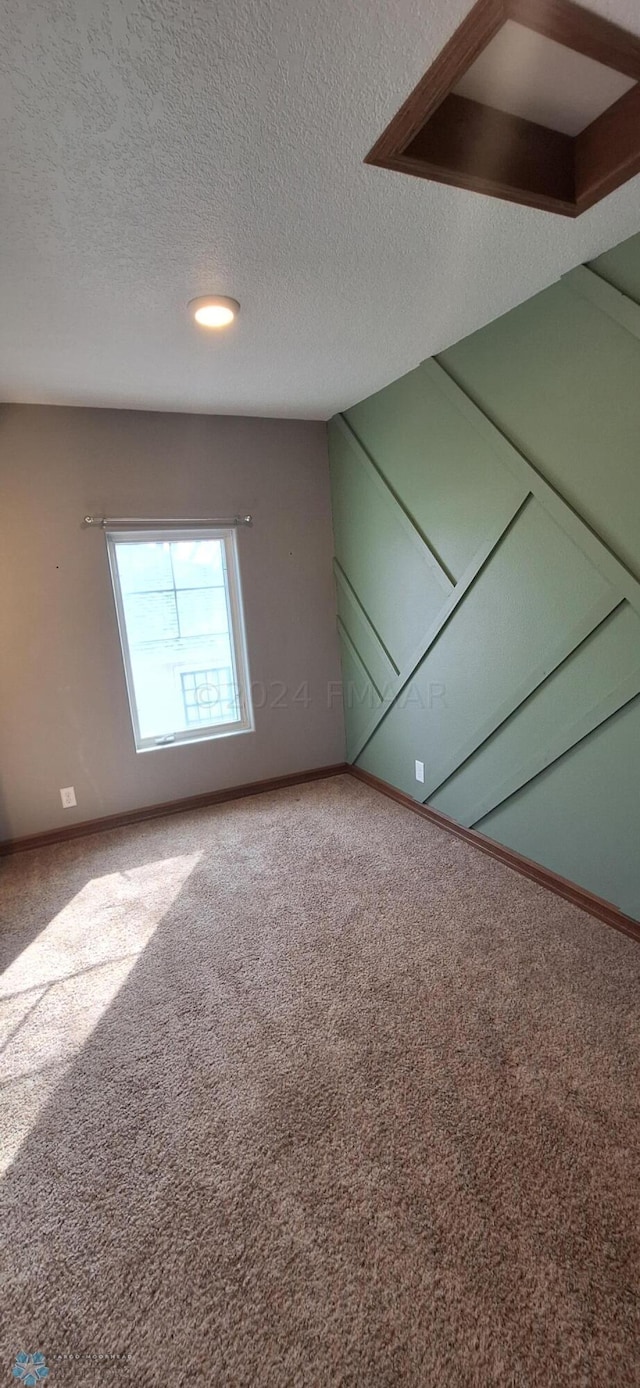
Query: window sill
[{"x": 212, "y": 736}]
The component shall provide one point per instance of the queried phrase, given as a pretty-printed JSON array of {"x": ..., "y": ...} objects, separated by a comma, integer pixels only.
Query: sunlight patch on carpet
[{"x": 55, "y": 993}]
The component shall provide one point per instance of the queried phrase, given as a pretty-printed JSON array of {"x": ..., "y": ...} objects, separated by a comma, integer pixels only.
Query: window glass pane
[
  {"x": 151, "y": 616},
  {"x": 208, "y": 693},
  {"x": 144, "y": 566},
  {"x": 198, "y": 563},
  {"x": 176, "y": 610},
  {"x": 202, "y": 612}
]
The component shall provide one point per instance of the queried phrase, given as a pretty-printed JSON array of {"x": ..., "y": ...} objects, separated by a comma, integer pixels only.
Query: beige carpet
[{"x": 302, "y": 1090}]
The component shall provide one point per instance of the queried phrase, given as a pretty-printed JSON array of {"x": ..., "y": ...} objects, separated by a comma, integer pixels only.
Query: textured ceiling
[{"x": 154, "y": 150}]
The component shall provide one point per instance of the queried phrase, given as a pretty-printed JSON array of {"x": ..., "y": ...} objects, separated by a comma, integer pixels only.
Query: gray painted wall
[{"x": 64, "y": 717}]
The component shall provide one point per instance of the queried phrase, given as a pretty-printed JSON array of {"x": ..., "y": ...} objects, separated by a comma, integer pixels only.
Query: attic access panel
[{"x": 534, "y": 101}]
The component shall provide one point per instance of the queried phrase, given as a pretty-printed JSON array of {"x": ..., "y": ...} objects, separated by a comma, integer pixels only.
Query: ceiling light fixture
[{"x": 214, "y": 310}]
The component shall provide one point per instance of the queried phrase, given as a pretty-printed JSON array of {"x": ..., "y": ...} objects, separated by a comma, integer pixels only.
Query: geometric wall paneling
[
  {"x": 393, "y": 502},
  {"x": 532, "y": 681},
  {"x": 530, "y": 663},
  {"x": 580, "y": 816},
  {"x": 360, "y": 691},
  {"x": 599, "y": 677},
  {"x": 620, "y": 268},
  {"x": 384, "y": 559},
  {"x": 399, "y": 688},
  {"x": 529, "y": 479},
  {"x": 535, "y": 600},
  {"x": 606, "y": 297},
  {"x": 404, "y": 732},
  {"x": 551, "y": 376},
  {"x": 362, "y": 635},
  {"x": 534, "y": 101},
  {"x": 410, "y": 431}
]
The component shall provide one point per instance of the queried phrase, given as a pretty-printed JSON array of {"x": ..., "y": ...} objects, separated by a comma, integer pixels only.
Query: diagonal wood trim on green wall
[
  {"x": 356, "y": 620},
  {"x": 620, "y": 268},
  {"x": 359, "y": 489},
  {"x": 535, "y": 678},
  {"x": 574, "y": 525},
  {"x": 395, "y": 687},
  {"x": 403, "y": 518},
  {"x": 524, "y": 674},
  {"x": 344, "y": 636},
  {"x": 595, "y": 680},
  {"x": 570, "y": 738},
  {"x": 605, "y": 297}
]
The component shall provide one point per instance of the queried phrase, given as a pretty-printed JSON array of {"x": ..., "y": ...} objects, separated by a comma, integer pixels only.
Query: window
[
  {"x": 180, "y": 619},
  {"x": 202, "y": 689}
]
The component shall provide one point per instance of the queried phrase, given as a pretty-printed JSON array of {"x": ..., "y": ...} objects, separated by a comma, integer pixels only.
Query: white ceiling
[{"x": 154, "y": 150}]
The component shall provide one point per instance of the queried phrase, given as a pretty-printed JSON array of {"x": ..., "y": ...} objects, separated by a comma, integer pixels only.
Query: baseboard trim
[
  {"x": 193, "y": 802},
  {"x": 579, "y": 896}
]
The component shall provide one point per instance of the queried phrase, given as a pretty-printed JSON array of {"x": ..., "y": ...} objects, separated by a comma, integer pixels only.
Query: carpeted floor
[{"x": 301, "y": 1091}]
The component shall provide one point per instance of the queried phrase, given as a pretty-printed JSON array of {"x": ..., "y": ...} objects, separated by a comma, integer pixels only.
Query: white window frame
[{"x": 171, "y": 534}]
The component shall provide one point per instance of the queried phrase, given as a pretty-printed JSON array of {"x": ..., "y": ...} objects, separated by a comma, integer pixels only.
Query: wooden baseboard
[
  {"x": 193, "y": 802},
  {"x": 579, "y": 896}
]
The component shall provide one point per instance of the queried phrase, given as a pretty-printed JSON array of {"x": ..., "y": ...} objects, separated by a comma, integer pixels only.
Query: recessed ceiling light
[{"x": 214, "y": 310}]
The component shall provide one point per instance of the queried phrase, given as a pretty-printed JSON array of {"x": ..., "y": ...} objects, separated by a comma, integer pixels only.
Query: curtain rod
[{"x": 103, "y": 521}]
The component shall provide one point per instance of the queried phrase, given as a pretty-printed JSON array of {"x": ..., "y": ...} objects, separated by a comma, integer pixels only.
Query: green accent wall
[{"x": 487, "y": 561}]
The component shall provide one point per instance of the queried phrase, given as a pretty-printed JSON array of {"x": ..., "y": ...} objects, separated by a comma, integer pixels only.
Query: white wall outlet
[
  {"x": 420, "y": 771},
  {"x": 68, "y": 797}
]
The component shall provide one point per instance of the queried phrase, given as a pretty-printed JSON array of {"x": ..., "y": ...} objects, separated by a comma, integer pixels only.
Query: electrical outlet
[
  {"x": 420, "y": 771},
  {"x": 68, "y": 797}
]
